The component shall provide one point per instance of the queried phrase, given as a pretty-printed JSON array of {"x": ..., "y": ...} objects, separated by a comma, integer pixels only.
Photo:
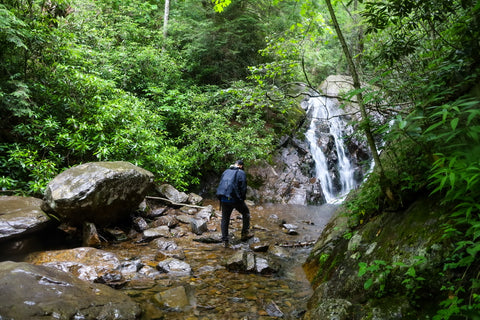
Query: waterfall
[{"x": 327, "y": 127}]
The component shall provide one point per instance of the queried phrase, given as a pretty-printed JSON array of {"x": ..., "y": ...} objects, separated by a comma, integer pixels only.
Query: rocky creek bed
[
  {"x": 180, "y": 274},
  {"x": 213, "y": 292}
]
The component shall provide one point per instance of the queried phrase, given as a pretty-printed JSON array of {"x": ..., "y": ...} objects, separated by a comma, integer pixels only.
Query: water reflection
[{"x": 216, "y": 293}]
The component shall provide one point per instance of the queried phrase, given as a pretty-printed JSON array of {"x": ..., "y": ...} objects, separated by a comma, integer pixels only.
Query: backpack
[{"x": 226, "y": 187}]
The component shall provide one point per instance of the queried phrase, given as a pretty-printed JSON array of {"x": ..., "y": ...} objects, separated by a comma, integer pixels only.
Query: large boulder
[
  {"x": 397, "y": 251},
  {"x": 99, "y": 192},
  {"x": 20, "y": 216},
  {"x": 34, "y": 292}
]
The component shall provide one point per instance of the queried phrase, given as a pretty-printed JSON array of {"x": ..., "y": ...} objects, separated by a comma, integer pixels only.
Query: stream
[{"x": 216, "y": 293}]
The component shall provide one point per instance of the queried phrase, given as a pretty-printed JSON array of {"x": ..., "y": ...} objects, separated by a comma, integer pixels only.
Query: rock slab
[
  {"x": 20, "y": 216},
  {"x": 34, "y": 292}
]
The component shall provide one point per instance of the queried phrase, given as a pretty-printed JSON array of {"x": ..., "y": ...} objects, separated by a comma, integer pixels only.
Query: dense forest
[{"x": 184, "y": 87}]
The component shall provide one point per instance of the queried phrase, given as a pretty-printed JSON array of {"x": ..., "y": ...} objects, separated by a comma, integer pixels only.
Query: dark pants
[{"x": 227, "y": 208}]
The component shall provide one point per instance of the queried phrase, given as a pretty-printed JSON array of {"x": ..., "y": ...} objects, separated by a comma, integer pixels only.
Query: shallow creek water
[{"x": 216, "y": 293}]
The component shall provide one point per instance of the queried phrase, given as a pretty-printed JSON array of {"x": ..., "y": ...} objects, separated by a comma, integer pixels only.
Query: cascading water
[{"x": 326, "y": 122}]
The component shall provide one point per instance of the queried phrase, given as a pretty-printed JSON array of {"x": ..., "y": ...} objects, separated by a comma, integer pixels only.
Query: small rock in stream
[
  {"x": 140, "y": 224},
  {"x": 169, "y": 221},
  {"x": 162, "y": 231},
  {"x": 174, "y": 267},
  {"x": 156, "y": 212},
  {"x": 90, "y": 235},
  {"x": 116, "y": 234},
  {"x": 164, "y": 245},
  {"x": 248, "y": 262},
  {"x": 199, "y": 226},
  {"x": 260, "y": 246},
  {"x": 175, "y": 298},
  {"x": 211, "y": 238},
  {"x": 183, "y": 218},
  {"x": 205, "y": 214},
  {"x": 273, "y": 310},
  {"x": 278, "y": 251}
]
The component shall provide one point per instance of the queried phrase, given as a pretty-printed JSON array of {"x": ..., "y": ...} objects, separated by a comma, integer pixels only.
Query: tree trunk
[
  {"x": 165, "y": 22},
  {"x": 356, "y": 84}
]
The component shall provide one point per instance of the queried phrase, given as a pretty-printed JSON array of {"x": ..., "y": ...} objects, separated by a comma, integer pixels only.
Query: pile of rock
[{"x": 97, "y": 204}]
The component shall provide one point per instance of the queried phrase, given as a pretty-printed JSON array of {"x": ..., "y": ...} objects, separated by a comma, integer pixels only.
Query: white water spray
[{"x": 324, "y": 110}]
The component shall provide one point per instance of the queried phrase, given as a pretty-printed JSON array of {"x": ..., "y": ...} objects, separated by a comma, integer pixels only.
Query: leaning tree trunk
[{"x": 356, "y": 84}]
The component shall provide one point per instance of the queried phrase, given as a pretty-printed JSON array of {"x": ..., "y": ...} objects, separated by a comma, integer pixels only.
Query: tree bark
[
  {"x": 357, "y": 85},
  {"x": 166, "y": 15}
]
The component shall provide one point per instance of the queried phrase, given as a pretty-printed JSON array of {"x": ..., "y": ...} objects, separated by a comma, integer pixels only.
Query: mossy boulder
[{"x": 400, "y": 256}]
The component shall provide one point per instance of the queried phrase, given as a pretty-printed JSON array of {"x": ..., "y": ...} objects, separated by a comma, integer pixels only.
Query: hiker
[{"x": 232, "y": 191}]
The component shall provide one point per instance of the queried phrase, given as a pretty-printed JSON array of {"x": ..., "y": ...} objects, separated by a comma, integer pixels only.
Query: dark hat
[{"x": 239, "y": 162}]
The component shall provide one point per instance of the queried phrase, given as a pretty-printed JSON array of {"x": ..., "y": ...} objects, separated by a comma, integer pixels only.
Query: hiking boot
[
  {"x": 225, "y": 244},
  {"x": 246, "y": 236}
]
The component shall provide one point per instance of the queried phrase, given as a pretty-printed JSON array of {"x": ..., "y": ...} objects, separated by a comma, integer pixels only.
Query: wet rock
[
  {"x": 210, "y": 238},
  {"x": 290, "y": 229},
  {"x": 194, "y": 199},
  {"x": 156, "y": 212},
  {"x": 298, "y": 196},
  {"x": 236, "y": 262},
  {"x": 392, "y": 238},
  {"x": 175, "y": 298},
  {"x": 99, "y": 192},
  {"x": 87, "y": 264},
  {"x": 198, "y": 226},
  {"x": 31, "y": 291},
  {"x": 20, "y": 216},
  {"x": 209, "y": 269},
  {"x": 149, "y": 272},
  {"x": 174, "y": 267},
  {"x": 184, "y": 218},
  {"x": 278, "y": 252},
  {"x": 338, "y": 309},
  {"x": 188, "y": 210},
  {"x": 205, "y": 214},
  {"x": 140, "y": 224},
  {"x": 178, "y": 254},
  {"x": 248, "y": 262},
  {"x": 172, "y": 194},
  {"x": 289, "y": 226},
  {"x": 260, "y": 246},
  {"x": 116, "y": 234},
  {"x": 273, "y": 310},
  {"x": 164, "y": 245},
  {"x": 169, "y": 221},
  {"x": 113, "y": 279},
  {"x": 263, "y": 266},
  {"x": 90, "y": 235},
  {"x": 162, "y": 231}
]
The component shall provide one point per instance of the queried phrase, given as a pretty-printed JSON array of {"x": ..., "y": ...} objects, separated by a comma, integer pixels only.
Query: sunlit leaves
[{"x": 220, "y": 5}]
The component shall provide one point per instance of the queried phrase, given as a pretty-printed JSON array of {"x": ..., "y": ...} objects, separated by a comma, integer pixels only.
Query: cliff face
[{"x": 387, "y": 268}]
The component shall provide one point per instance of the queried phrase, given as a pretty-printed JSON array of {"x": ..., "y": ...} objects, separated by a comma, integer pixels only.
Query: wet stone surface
[
  {"x": 177, "y": 274},
  {"x": 205, "y": 288}
]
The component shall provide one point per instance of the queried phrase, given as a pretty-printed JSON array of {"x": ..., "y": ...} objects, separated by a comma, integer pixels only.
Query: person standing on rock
[{"x": 232, "y": 191}]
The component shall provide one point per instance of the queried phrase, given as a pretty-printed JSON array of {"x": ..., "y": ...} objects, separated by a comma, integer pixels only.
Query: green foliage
[
  {"x": 302, "y": 48},
  {"x": 238, "y": 123},
  {"x": 379, "y": 272},
  {"x": 97, "y": 81},
  {"x": 219, "y": 47},
  {"x": 456, "y": 174}
]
